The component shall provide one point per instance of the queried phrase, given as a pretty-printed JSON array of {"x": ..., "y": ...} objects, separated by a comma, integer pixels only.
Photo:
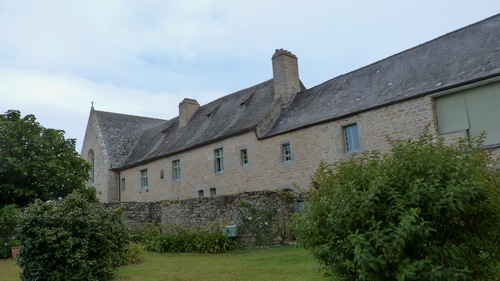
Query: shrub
[
  {"x": 71, "y": 239},
  {"x": 426, "y": 211},
  {"x": 162, "y": 239},
  {"x": 132, "y": 253},
  {"x": 259, "y": 224}
]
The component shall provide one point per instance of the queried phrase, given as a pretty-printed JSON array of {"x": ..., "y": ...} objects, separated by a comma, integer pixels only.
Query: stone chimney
[
  {"x": 187, "y": 108},
  {"x": 285, "y": 76}
]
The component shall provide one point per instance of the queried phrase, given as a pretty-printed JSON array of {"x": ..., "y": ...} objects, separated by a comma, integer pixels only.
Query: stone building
[{"x": 273, "y": 135}]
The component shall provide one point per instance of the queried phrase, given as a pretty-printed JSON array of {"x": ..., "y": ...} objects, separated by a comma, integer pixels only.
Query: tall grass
[{"x": 161, "y": 239}]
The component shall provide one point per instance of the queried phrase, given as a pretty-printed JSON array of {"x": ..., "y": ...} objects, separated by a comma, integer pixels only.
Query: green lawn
[
  {"x": 9, "y": 271},
  {"x": 283, "y": 263}
]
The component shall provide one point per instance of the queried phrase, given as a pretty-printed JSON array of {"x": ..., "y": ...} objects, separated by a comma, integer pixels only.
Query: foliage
[
  {"x": 71, "y": 239},
  {"x": 36, "y": 162},
  {"x": 132, "y": 253},
  {"x": 9, "y": 216},
  {"x": 163, "y": 239},
  {"x": 259, "y": 224},
  {"x": 426, "y": 211}
]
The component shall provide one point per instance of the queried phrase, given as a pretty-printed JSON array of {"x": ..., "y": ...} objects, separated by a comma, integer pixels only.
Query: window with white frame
[
  {"x": 176, "y": 170},
  {"x": 286, "y": 152},
  {"x": 351, "y": 138},
  {"x": 219, "y": 160},
  {"x": 244, "y": 156},
  {"x": 144, "y": 178}
]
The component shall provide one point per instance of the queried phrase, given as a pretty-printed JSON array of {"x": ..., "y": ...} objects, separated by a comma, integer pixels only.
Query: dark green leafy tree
[
  {"x": 36, "y": 162},
  {"x": 9, "y": 215},
  {"x": 427, "y": 211},
  {"x": 71, "y": 239}
]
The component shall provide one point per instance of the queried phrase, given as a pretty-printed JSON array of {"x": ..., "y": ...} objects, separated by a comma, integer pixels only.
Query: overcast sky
[{"x": 144, "y": 57}]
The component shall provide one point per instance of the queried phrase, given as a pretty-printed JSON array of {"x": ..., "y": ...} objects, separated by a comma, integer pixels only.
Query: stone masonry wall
[
  {"x": 105, "y": 180},
  {"x": 222, "y": 210},
  {"x": 138, "y": 214},
  {"x": 266, "y": 169}
]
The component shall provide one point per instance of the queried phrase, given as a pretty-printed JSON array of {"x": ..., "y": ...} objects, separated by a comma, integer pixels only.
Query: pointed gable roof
[
  {"x": 120, "y": 132},
  {"x": 460, "y": 57},
  {"x": 225, "y": 117}
]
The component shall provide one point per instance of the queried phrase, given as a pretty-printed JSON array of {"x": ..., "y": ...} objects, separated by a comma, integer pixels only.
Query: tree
[
  {"x": 71, "y": 239},
  {"x": 36, "y": 162},
  {"x": 426, "y": 211}
]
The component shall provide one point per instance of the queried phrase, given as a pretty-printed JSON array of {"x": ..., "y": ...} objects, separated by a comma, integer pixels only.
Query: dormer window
[
  {"x": 212, "y": 113},
  {"x": 247, "y": 101}
]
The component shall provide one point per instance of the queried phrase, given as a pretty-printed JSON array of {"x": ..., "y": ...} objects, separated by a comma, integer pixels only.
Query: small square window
[
  {"x": 200, "y": 193},
  {"x": 351, "y": 138},
  {"x": 213, "y": 192},
  {"x": 300, "y": 206},
  {"x": 144, "y": 178},
  {"x": 219, "y": 160},
  {"x": 286, "y": 152},
  {"x": 176, "y": 170},
  {"x": 243, "y": 157}
]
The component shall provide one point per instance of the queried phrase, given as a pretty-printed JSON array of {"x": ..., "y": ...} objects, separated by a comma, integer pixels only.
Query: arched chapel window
[{"x": 91, "y": 161}]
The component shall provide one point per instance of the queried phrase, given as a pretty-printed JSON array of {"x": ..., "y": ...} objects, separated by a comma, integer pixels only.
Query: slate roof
[
  {"x": 230, "y": 115},
  {"x": 120, "y": 132},
  {"x": 460, "y": 57}
]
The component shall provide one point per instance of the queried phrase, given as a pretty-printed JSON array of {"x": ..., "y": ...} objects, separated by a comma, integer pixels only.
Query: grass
[
  {"x": 283, "y": 263},
  {"x": 9, "y": 271}
]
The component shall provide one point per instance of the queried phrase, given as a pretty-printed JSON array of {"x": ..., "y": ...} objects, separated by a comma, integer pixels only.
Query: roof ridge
[{"x": 409, "y": 49}]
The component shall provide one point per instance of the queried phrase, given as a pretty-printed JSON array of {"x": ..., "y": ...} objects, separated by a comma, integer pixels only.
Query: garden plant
[{"x": 428, "y": 210}]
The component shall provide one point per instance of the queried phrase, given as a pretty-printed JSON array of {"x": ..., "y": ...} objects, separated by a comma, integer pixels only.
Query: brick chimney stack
[
  {"x": 187, "y": 108},
  {"x": 285, "y": 76}
]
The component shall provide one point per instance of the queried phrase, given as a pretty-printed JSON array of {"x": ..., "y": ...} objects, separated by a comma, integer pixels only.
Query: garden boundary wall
[{"x": 259, "y": 217}]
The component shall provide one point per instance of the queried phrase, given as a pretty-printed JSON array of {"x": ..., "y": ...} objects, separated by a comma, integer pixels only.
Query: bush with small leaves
[
  {"x": 71, "y": 239},
  {"x": 426, "y": 211}
]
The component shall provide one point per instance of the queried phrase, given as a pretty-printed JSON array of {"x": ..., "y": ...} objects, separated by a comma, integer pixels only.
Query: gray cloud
[{"x": 144, "y": 57}]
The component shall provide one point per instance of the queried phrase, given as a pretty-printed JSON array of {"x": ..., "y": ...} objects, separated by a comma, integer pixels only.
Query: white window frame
[
  {"x": 144, "y": 179},
  {"x": 286, "y": 152},
  {"x": 176, "y": 170},
  {"x": 351, "y": 138},
  {"x": 219, "y": 160}
]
